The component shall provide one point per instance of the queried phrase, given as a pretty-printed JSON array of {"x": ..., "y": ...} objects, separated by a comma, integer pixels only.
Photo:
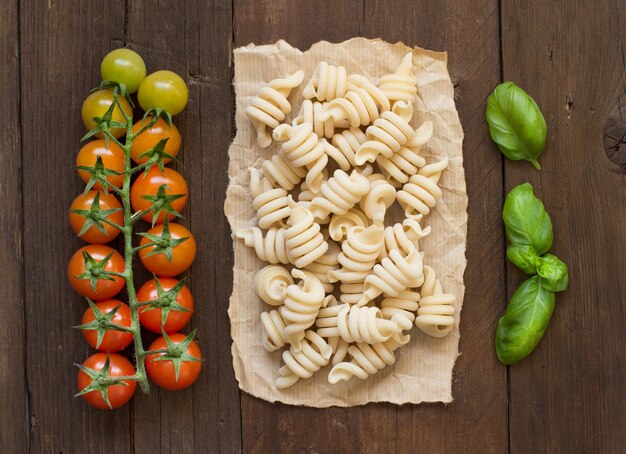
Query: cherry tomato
[
  {"x": 149, "y": 184},
  {"x": 124, "y": 66},
  {"x": 150, "y": 137},
  {"x": 106, "y": 202},
  {"x": 182, "y": 254},
  {"x": 176, "y": 320},
  {"x": 112, "y": 341},
  {"x": 96, "y": 105},
  {"x": 164, "y": 89},
  {"x": 112, "y": 159},
  {"x": 105, "y": 289},
  {"x": 118, "y": 367},
  {"x": 162, "y": 372}
]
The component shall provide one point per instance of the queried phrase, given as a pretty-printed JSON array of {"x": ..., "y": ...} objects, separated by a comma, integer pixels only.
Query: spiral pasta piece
[
  {"x": 387, "y": 134},
  {"x": 358, "y": 324},
  {"x": 339, "y": 346},
  {"x": 380, "y": 196},
  {"x": 272, "y": 248},
  {"x": 351, "y": 293},
  {"x": 403, "y": 236},
  {"x": 345, "y": 146},
  {"x": 301, "y": 305},
  {"x": 271, "y": 284},
  {"x": 271, "y": 205},
  {"x": 367, "y": 359},
  {"x": 304, "y": 241},
  {"x": 363, "y": 103},
  {"x": 270, "y": 106},
  {"x": 274, "y": 335},
  {"x": 303, "y": 148},
  {"x": 328, "y": 82},
  {"x": 435, "y": 315},
  {"x": 404, "y": 304},
  {"x": 281, "y": 173},
  {"x": 311, "y": 112},
  {"x": 406, "y": 162},
  {"x": 340, "y": 193},
  {"x": 421, "y": 193},
  {"x": 341, "y": 223},
  {"x": 314, "y": 355},
  {"x": 401, "y": 85},
  {"x": 393, "y": 274},
  {"x": 359, "y": 252},
  {"x": 321, "y": 266}
]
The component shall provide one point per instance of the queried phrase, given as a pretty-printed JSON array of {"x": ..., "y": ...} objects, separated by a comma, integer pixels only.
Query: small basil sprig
[
  {"x": 524, "y": 322},
  {"x": 526, "y": 220},
  {"x": 516, "y": 124},
  {"x": 529, "y": 229}
]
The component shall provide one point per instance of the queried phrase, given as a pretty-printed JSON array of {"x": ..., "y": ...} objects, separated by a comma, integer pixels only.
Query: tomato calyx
[
  {"x": 99, "y": 174},
  {"x": 96, "y": 271},
  {"x": 117, "y": 87},
  {"x": 94, "y": 216},
  {"x": 105, "y": 124},
  {"x": 161, "y": 202},
  {"x": 175, "y": 352},
  {"x": 163, "y": 243},
  {"x": 166, "y": 300},
  {"x": 101, "y": 380},
  {"x": 102, "y": 322},
  {"x": 156, "y": 113},
  {"x": 156, "y": 156}
]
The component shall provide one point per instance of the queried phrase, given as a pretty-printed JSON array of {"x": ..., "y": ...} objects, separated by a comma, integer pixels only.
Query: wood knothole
[{"x": 614, "y": 136}]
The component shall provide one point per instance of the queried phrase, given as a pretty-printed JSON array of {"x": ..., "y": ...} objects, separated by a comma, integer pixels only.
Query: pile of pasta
[{"x": 345, "y": 288}]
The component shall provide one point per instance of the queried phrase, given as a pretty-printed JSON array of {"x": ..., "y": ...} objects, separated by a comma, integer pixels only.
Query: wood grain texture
[
  {"x": 193, "y": 39},
  {"x": 474, "y": 67},
  {"x": 61, "y": 47},
  {"x": 13, "y": 397},
  {"x": 569, "y": 396},
  {"x": 478, "y": 415}
]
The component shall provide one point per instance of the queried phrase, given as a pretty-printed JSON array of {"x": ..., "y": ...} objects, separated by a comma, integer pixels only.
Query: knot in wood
[{"x": 615, "y": 141}]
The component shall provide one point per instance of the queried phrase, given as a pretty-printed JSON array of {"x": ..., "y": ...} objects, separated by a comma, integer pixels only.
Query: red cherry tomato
[
  {"x": 118, "y": 394},
  {"x": 183, "y": 255},
  {"x": 152, "y": 318},
  {"x": 112, "y": 159},
  {"x": 150, "y": 137},
  {"x": 163, "y": 373},
  {"x": 112, "y": 341},
  {"x": 149, "y": 184},
  {"x": 105, "y": 289},
  {"x": 106, "y": 202}
]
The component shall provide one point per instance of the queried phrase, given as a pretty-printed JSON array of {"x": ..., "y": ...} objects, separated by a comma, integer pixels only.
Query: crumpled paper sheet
[{"x": 423, "y": 368}]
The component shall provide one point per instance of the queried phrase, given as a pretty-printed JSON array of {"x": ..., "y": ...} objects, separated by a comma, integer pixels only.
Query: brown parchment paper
[{"x": 423, "y": 369}]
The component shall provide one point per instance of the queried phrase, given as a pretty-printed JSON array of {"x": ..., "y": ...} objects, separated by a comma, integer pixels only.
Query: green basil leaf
[
  {"x": 526, "y": 220},
  {"x": 553, "y": 273},
  {"x": 524, "y": 322},
  {"x": 516, "y": 124},
  {"x": 524, "y": 257}
]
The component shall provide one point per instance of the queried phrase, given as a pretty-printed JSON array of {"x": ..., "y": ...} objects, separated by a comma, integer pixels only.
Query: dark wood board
[
  {"x": 569, "y": 395},
  {"x": 480, "y": 382},
  {"x": 13, "y": 398}
]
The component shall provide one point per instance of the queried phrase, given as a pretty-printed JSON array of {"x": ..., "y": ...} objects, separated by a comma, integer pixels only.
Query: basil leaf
[
  {"x": 553, "y": 273},
  {"x": 524, "y": 257},
  {"x": 526, "y": 220},
  {"x": 524, "y": 322},
  {"x": 516, "y": 124}
]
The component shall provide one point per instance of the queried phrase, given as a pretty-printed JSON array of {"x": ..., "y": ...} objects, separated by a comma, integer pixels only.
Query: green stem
[{"x": 140, "y": 376}]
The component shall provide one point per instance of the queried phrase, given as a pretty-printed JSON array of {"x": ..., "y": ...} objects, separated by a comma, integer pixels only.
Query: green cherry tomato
[
  {"x": 125, "y": 67},
  {"x": 164, "y": 89},
  {"x": 97, "y": 104}
]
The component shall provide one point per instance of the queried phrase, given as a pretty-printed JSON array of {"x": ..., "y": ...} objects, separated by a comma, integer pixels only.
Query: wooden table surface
[{"x": 568, "y": 397}]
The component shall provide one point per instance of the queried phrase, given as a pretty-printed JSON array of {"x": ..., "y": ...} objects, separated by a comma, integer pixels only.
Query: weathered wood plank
[
  {"x": 194, "y": 39},
  {"x": 569, "y": 395},
  {"x": 13, "y": 397},
  {"x": 61, "y": 47},
  {"x": 478, "y": 415},
  {"x": 474, "y": 65}
]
